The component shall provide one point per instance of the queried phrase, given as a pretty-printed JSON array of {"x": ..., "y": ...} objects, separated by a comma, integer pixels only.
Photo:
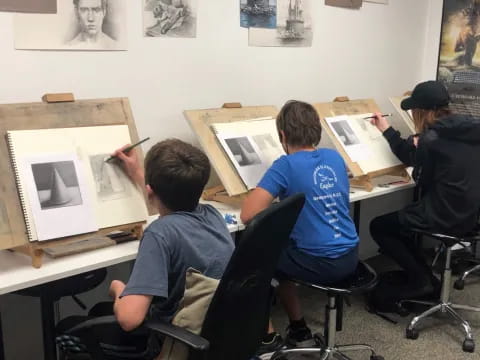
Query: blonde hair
[{"x": 424, "y": 118}]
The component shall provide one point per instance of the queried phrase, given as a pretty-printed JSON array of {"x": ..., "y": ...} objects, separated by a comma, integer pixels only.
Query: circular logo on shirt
[{"x": 325, "y": 177}]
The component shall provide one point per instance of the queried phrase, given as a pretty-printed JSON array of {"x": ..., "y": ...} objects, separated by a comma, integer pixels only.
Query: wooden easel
[
  {"x": 232, "y": 190},
  {"x": 56, "y": 111},
  {"x": 344, "y": 106}
]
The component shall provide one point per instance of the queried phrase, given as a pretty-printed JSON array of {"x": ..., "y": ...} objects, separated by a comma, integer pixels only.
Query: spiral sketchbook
[
  {"x": 251, "y": 145},
  {"x": 66, "y": 187}
]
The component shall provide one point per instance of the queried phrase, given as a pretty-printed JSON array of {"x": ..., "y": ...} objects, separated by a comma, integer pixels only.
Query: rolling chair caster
[
  {"x": 411, "y": 334},
  {"x": 459, "y": 284},
  {"x": 468, "y": 345}
]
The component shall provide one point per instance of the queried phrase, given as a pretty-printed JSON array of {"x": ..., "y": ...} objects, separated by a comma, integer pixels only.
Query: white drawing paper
[
  {"x": 78, "y": 25},
  {"x": 251, "y": 145},
  {"x": 294, "y": 26},
  {"x": 363, "y": 142},
  {"x": 116, "y": 200},
  {"x": 58, "y": 196},
  {"x": 170, "y": 18}
]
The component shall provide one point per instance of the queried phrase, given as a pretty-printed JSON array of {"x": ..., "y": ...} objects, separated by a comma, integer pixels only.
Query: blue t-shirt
[
  {"x": 324, "y": 227},
  {"x": 170, "y": 245}
]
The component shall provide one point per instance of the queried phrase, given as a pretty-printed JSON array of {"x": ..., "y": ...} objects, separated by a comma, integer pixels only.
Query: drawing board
[
  {"x": 25, "y": 116},
  {"x": 201, "y": 121}
]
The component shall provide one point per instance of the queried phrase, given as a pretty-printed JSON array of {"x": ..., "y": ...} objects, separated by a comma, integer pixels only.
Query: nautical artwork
[
  {"x": 258, "y": 13},
  {"x": 294, "y": 26}
]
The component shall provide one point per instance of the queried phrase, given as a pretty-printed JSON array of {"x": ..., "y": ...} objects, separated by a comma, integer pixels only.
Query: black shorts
[{"x": 297, "y": 264}]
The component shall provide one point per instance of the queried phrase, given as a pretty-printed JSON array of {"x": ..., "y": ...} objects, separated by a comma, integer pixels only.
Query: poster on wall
[
  {"x": 258, "y": 13},
  {"x": 170, "y": 18},
  {"x": 459, "y": 60},
  {"x": 78, "y": 25},
  {"x": 294, "y": 26},
  {"x": 29, "y": 6}
]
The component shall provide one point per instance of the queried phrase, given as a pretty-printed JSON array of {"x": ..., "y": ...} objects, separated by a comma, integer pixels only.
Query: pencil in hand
[
  {"x": 127, "y": 149},
  {"x": 373, "y": 117}
]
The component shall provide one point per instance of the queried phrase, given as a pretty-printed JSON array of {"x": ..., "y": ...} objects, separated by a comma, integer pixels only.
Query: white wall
[
  {"x": 432, "y": 40},
  {"x": 376, "y": 52}
]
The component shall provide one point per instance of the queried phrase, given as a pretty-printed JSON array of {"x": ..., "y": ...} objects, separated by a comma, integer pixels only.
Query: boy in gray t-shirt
[{"x": 187, "y": 234}]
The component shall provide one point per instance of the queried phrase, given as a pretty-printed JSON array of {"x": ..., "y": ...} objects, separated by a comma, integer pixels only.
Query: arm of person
[
  {"x": 131, "y": 310},
  {"x": 258, "y": 200},
  {"x": 132, "y": 167},
  {"x": 149, "y": 279},
  {"x": 273, "y": 183},
  {"x": 404, "y": 149}
]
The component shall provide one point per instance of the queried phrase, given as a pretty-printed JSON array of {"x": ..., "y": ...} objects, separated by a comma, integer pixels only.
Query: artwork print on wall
[
  {"x": 258, "y": 13},
  {"x": 170, "y": 18},
  {"x": 78, "y": 25},
  {"x": 459, "y": 59},
  {"x": 294, "y": 26}
]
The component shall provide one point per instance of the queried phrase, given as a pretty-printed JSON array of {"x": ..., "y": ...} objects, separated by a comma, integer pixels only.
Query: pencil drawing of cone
[{"x": 59, "y": 193}]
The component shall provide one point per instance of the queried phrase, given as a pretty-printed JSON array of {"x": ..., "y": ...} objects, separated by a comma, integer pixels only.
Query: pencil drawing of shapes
[
  {"x": 56, "y": 184},
  {"x": 110, "y": 181},
  {"x": 345, "y": 132},
  {"x": 368, "y": 129},
  {"x": 243, "y": 151},
  {"x": 4, "y": 222},
  {"x": 294, "y": 26},
  {"x": 170, "y": 18},
  {"x": 264, "y": 141},
  {"x": 258, "y": 13}
]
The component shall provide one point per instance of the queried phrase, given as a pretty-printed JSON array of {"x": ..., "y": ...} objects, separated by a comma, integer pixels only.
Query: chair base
[
  {"x": 328, "y": 353},
  {"x": 444, "y": 308}
]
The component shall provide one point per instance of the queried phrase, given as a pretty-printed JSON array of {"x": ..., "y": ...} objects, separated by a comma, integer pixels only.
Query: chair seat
[
  {"x": 73, "y": 285},
  {"x": 363, "y": 279},
  {"x": 451, "y": 240}
]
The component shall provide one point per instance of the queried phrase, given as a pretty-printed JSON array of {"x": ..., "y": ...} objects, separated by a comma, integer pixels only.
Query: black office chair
[
  {"x": 363, "y": 280},
  {"x": 237, "y": 318},
  {"x": 444, "y": 305},
  {"x": 50, "y": 293}
]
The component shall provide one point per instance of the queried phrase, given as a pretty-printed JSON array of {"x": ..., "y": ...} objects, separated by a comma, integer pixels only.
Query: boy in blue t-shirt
[{"x": 323, "y": 247}]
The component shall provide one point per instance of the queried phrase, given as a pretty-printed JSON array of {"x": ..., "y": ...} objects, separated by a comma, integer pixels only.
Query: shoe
[
  {"x": 301, "y": 337},
  {"x": 267, "y": 349}
]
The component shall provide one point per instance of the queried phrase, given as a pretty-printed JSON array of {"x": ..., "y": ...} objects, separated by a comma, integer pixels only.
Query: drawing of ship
[
  {"x": 258, "y": 7},
  {"x": 295, "y": 24}
]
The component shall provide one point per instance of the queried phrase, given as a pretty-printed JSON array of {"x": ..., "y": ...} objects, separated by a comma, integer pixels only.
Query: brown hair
[
  {"x": 424, "y": 118},
  {"x": 300, "y": 123},
  {"x": 177, "y": 173}
]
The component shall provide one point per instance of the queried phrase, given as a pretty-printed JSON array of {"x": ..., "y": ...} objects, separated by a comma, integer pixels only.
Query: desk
[{"x": 16, "y": 272}]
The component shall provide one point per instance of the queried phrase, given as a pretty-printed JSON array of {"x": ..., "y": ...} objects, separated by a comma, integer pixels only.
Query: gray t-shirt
[{"x": 170, "y": 245}]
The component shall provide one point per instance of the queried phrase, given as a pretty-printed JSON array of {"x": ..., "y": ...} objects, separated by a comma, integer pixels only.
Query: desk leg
[
  {"x": 356, "y": 215},
  {"x": 48, "y": 328}
]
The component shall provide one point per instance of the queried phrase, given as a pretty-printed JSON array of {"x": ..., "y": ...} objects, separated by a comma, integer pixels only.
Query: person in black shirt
[{"x": 445, "y": 155}]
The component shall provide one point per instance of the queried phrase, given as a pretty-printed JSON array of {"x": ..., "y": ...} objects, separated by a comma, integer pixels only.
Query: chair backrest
[{"x": 237, "y": 318}]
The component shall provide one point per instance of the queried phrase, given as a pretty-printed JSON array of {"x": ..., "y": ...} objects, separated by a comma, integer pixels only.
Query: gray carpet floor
[{"x": 440, "y": 338}]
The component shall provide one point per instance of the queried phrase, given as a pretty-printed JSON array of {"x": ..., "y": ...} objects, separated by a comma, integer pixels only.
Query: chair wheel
[
  {"x": 411, "y": 334},
  {"x": 468, "y": 345},
  {"x": 459, "y": 284},
  {"x": 376, "y": 357}
]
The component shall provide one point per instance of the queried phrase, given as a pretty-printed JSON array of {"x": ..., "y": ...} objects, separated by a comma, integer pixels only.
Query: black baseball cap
[{"x": 428, "y": 95}]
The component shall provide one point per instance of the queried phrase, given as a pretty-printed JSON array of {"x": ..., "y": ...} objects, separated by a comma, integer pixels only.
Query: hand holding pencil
[
  {"x": 128, "y": 158},
  {"x": 378, "y": 120}
]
